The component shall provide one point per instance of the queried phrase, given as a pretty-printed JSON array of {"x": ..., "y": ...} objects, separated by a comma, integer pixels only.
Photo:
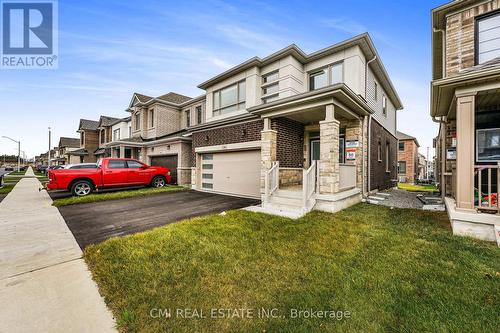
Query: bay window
[{"x": 229, "y": 99}]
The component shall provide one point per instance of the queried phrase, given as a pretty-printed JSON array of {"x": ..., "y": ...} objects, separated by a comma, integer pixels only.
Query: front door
[{"x": 314, "y": 150}]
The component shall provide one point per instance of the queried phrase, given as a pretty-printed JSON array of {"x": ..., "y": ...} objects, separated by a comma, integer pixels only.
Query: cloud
[
  {"x": 345, "y": 25},
  {"x": 249, "y": 39}
]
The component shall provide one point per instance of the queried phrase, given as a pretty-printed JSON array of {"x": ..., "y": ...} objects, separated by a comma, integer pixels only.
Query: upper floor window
[
  {"x": 488, "y": 37},
  {"x": 137, "y": 121},
  {"x": 116, "y": 134},
  {"x": 82, "y": 138},
  {"x": 103, "y": 136},
  {"x": 401, "y": 146},
  {"x": 199, "y": 114},
  {"x": 130, "y": 131},
  {"x": 229, "y": 99},
  {"x": 333, "y": 74},
  {"x": 188, "y": 118},
  {"x": 384, "y": 105},
  {"x": 271, "y": 77},
  {"x": 375, "y": 90},
  {"x": 151, "y": 118}
]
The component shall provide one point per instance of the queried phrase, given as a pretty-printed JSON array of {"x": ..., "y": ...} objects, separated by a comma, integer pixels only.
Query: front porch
[
  {"x": 471, "y": 150},
  {"x": 313, "y": 157}
]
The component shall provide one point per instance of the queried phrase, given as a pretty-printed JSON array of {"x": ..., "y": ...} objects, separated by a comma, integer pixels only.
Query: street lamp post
[{"x": 18, "y": 151}]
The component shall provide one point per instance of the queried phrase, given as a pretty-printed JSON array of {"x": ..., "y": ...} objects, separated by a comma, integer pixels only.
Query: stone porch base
[{"x": 472, "y": 223}]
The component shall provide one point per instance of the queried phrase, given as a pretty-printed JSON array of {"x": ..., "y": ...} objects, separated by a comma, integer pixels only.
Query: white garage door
[{"x": 235, "y": 173}]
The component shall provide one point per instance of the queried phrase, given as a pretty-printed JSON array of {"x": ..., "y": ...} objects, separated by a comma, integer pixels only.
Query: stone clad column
[
  {"x": 122, "y": 151},
  {"x": 268, "y": 150},
  {"x": 329, "y": 153},
  {"x": 465, "y": 152},
  {"x": 354, "y": 132}
]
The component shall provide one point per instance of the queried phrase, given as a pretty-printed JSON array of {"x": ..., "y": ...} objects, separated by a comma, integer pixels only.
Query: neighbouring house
[
  {"x": 67, "y": 145},
  {"x": 300, "y": 131},
  {"x": 422, "y": 167},
  {"x": 407, "y": 158},
  {"x": 105, "y": 136},
  {"x": 465, "y": 101},
  {"x": 89, "y": 141},
  {"x": 158, "y": 132}
]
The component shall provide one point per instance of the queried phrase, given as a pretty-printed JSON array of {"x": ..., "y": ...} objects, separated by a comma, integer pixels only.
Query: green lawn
[
  {"x": 392, "y": 270},
  {"x": 7, "y": 188},
  {"x": 17, "y": 173},
  {"x": 418, "y": 188},
  {"x": 8, "y": 179},
  {"x": 116, "y": 195}
]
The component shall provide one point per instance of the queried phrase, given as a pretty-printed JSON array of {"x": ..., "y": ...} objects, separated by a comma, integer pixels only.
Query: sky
[{"x": 110, "y": 49}]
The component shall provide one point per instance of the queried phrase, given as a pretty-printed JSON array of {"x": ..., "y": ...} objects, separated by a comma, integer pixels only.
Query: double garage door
[
  {"x": 236, "y": 173},
  {"x": 170, "y": 162}
]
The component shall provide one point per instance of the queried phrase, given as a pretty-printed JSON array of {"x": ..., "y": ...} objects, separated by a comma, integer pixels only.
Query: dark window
[
  {"x": 117, "y": 164},
  {"x": 384, "y": 105},
  {"x": 103, "y": 136},
  {"x": 151, "y": 118},
  {"x": 137, "y": 121},
  {"x": 134, "y": 165},
  {"x": 199, "y": 114},
  {"x": 188, "y": 119},
  {"x": 401, "y": 146},
  {"x": 375, "y": 88},
  {"x": 82, "y": 138},
  {"x": 387, "y": 154},
  {"x": 401, "y": 167},
  {"x": 318, "y": 79}
]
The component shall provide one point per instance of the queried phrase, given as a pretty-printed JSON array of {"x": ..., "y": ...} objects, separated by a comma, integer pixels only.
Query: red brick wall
[
  {"x": 410, "y": 156},
  {"x": 290, "y": 142}
]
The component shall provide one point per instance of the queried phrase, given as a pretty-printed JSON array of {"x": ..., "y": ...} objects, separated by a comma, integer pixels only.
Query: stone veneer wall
[
  {"x": 379, "y": 178},
  {"x": 460, "y": 28},
  {"x": 291, "y": 176}
]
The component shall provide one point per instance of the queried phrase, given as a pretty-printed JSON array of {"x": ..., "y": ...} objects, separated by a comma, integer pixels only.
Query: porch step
[
  {"x": 288, "y": 211},
  {"x": 383, "y": 194},
  {"x": 376, "y": 197},
  {"x": 286, "y": 200}
]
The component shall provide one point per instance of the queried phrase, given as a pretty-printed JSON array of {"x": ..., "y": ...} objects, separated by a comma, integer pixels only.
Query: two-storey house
[
  {"x": 465, "y": 101},
  {"x": 407, "y": 158},
  {"x": 300, "y": 131},
  {"x": 158, "y": 132},
  {"x": 67, "y": 145},
  {"x": 105, "y": 136},
  {"x": 89, "y": 141}
]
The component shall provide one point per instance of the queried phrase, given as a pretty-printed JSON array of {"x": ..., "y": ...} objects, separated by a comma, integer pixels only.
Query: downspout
[
  {"x": 442, "y": 131},
  {"x": 367, "y": 172}
]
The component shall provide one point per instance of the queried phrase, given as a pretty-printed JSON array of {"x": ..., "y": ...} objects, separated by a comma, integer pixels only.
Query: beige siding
[{"x": 387, "y": 121}]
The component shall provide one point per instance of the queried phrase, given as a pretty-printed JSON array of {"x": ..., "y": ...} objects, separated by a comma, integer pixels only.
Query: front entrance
[
  {"x": 314, "y": 149},
  {"x": 168, "y": 161}
]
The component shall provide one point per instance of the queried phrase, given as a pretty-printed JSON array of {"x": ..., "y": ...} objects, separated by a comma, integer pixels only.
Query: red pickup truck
[{"x": 110, "y": 173}]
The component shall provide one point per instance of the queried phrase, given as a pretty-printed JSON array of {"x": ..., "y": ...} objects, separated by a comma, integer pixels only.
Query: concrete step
[
  {"x": 279, "y": 210},
  {"x": 376, "y": 197},
  {"x": 383, "y": 194},
  {"x": 281, "y": 200},
  {"x": 288, "y": 194},
  {"x": 373, "y": 202}
]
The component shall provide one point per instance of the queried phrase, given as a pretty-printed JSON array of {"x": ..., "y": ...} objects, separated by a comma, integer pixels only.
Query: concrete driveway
[{"x": 95, "y": 222}]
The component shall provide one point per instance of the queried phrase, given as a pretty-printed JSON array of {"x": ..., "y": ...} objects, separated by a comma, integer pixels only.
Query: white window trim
[{"x": 151, "y": 116}]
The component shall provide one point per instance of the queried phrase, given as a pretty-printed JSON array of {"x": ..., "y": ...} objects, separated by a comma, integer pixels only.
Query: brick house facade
[
  {"x": 407, "y": 158},
  {"x": 382, "y": 158}
]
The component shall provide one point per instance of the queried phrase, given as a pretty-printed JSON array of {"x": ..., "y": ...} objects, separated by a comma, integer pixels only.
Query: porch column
[
  {"x": 329, "y": 152},
  {"x": 268, "y": 150},
  {"x": 354, "y": 132},
  {"x": 465, "y": 152},
  {"x": 122, "y": 151}
]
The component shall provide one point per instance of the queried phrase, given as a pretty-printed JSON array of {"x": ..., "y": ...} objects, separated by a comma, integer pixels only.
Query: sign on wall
[
  {"x": 352, "y": 144},
  {"x": 451, "y": 154},
  {"x": 350, "y": 154}
]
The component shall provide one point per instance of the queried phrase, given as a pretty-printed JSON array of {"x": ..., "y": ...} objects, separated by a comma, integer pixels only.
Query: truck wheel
[
  {"x": 159, "y": 181},
  {"x": 81, "y": 188}
]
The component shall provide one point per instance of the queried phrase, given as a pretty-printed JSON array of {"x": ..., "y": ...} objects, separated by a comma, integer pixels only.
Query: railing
[
  {"x": 272, "y": 180},
  {"x": 487, "y": 199},
  {"x": 347, "y": 176},
  {"x": 309, "y": 183}
]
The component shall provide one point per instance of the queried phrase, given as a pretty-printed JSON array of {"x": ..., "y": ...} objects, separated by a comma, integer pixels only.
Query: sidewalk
[{"x": 45, "y": 285}]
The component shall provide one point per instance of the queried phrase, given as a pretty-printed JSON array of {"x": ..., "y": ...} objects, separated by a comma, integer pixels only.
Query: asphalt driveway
[{"x": 95, "y": 222}]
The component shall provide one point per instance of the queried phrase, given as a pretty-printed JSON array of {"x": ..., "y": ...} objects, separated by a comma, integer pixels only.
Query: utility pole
[
  {"x": 18, "y": 151},
  {"x": 48, "y": 156}
]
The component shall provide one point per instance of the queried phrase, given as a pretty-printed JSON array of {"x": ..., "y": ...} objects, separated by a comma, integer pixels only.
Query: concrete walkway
[{"x": 45, "y": 285}]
